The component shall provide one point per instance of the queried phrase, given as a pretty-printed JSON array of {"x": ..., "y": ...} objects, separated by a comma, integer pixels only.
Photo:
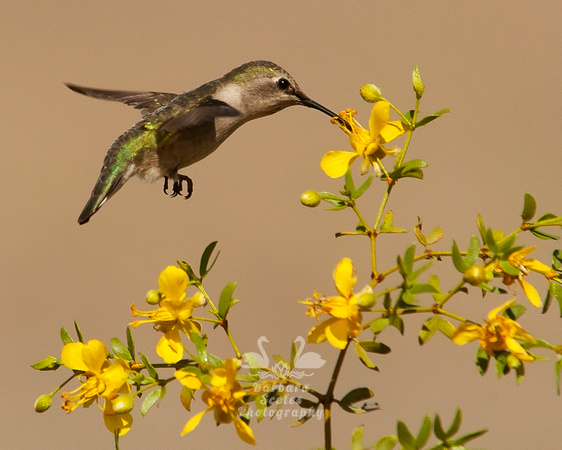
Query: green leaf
[
  {"x": 411, "y": 169},
  {"x": 434, "y": 236},
  {"x": 482, "y": 360},
  {"x": 130, "y": 342},
  {"x": 428, "y": 330},
  {"x": 46, "y": 364},
  {"x": 375, "y": 347},
  {"x": 386, "y": 443},
  {"x": 226, "y": 301},
  {"x": 432, "y": 117},
  {"x": 379, "y": 324},
  {"x": 187, "y": 268},
  {"x": 456, "y": 423},
  {"x": 481, "y": 228},
  {"x": 529, "y": 207},
  {"x": 364, "y": 187},
  {"x": 514, "y": 312},
  {"x": 438, "y": 428},
  {"x": 204, "y": 267},
  {"x": 151, "y": 371},
  {"x": 543, "y": 235},
  {"x": 66, "y": 339},
  {"x": 424, "y": 432},
  {"x": 386, "y": 225},
  {"x": 405, "y": 437},
  {"x": 78, "y": 332},
  {"x": 151, "y": 399},
  {"x": 458, "y": 260},
  {"x": 357, "y": 395},
  {"x": 120, "y": 350},
  {"x": 467, "y": 437},
  {"x": 357, "y": 438},
  {"x": 349, "y": 186},
  {"x": 364, "y": 358}
]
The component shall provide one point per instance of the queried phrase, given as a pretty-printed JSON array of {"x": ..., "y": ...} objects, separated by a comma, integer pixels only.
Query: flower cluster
[
  {"x": 498, "y": 334},
  {"x": 344, "y": 309},
  {"x": 223, "y": 395},
  {"x": 368, "y": 144},
  {"x": 100, "y": 379},
  {"x": 173, "y": 314}
]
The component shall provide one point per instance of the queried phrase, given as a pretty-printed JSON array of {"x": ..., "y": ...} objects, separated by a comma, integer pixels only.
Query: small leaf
[
  {"x": 432, "y": 117},
  {"x": 187, "y": 268},
  {"x": 434, "y": 236},
  {"x": 46, "y": 364},
  {"x": 375, "y": 347},
  {"x": 66, "y": 339},
  {"x": 529, "y": 207},
  {"x": 424, "y": 432},
  {"x": 404, "y": 436},
  {"x": 458, "y": 260},
  {"x": 438, "y": 429},
  {"x": 226, "y": 301},
  {"x": 78, "y": 332},
  {"x": 151, "y": 399},
  {"x": 357, "y": 438},
  {"x": 204, "y": 267},
  {"x": 130, "y": 342},
  {"x": 482, "y": 361},
  {"x": 120, "y": 350},
  {"x": 557, "y": 372},
  {"x": 386, "y": 443},
  {"x": 364, "y": 358},
  {"x": 355, "y": 396},
  {"x": 151, "y": 371},
  {"x": 456, "y": 423},
  {"x": 364, "y": 187}
]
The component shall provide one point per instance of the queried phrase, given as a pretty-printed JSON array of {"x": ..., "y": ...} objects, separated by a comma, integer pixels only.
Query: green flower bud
[
  {"x": 122, "y": 404},
  {"x": 153, "y": 297},
  {"x": 366, "y": 300},
  {"x": 43, "y": 403},
  {"x": 371, "y": 93},
  {"x": 418, "y": 85},
  {"x": 311, "y": 199},
  {"x": 476, "y": 275}
]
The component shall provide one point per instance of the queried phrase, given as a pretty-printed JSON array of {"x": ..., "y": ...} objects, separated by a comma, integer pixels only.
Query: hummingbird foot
[{"x": 177, "y": 187}]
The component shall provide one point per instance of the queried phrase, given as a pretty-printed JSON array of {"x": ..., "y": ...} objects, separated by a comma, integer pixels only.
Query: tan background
[{"x": 495, "y": 64}]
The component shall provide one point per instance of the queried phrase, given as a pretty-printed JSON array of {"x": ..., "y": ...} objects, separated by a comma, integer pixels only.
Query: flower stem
[{"x": 328, "y": 399}]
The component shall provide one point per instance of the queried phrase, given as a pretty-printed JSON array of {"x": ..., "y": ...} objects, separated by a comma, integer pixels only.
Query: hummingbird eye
[{"x": 283, "y": 83}]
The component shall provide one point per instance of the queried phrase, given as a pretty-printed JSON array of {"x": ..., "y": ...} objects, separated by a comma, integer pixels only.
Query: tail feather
[{"x": 106, "y": 186}]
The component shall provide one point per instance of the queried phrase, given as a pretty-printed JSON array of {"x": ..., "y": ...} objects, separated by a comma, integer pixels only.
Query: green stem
[{"x": 328, "y": 399}]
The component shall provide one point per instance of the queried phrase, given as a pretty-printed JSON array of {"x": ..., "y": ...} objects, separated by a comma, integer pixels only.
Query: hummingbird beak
[{"x": 315, "y": 105}]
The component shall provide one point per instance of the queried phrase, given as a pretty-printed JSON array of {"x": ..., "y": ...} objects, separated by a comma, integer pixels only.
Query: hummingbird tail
[{"x": 106, "y": 186}]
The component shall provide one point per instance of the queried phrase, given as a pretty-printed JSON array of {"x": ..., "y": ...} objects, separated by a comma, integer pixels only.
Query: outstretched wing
[
  {"x": 147, "y": 102},
  {"x": 200, "y": 114}
]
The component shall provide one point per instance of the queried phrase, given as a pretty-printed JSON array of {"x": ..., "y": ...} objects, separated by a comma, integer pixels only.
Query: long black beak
[{"x": 315, "y": 105}]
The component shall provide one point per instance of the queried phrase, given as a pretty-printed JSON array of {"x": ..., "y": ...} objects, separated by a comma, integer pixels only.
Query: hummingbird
[{"x": 177, "y": 130}]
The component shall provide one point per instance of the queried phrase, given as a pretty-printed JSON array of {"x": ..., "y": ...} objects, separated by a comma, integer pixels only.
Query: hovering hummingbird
[{"x": 177, "y": 130}]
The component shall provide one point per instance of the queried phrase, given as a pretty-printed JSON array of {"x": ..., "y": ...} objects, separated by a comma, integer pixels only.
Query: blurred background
[{"x": 496, "y": 65}]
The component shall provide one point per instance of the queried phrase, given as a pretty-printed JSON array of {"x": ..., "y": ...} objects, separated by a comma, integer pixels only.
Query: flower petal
[
  {"x": 531, "y": 292},
  {"x": 169, "y": 347},
  {"x": 380, "y": 115},
  {"x": 244, "y": 431},
  {"x": 337, "y": 333},
  {"x": 71, "y": 356},
  {"x": 345, "y": 277},
  {"x": 466, "y": 332},
  {"x": 193, "y": 422},
  {"x": 318, "y": 333},
  {"x": 391, "y": 131},
  {"x": 173, "y": 283},
  {"x": 336, "y": 162}
]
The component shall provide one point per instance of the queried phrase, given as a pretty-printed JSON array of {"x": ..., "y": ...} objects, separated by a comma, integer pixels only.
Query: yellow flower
[
  {"x": 497, "y": 335},
  {"x": 114, "y": 421},
  {"x": 345, "y": 322},
  {"x": 101, "y": 378},
  {"x": 173, "y": 314},
  {"x": 525, "y": 266},
  {"x": 368, "y": 144},
  {"x": 223, "y": 397}
]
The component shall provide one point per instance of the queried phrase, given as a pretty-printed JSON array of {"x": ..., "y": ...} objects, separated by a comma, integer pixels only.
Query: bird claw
[{"x": 177, "y": 187}]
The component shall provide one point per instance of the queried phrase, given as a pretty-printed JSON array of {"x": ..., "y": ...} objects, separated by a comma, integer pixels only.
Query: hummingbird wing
[
  {"x": 203, "y": 113},
  {"x": 147, "y": 102}
]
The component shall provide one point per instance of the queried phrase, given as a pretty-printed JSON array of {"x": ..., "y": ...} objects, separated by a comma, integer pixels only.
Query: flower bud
[
  {"x": 199, "y": 300},
  {"x": 311, "y": 199},
  {"x": 122, "y": 404},
  {"x": 476, "y": 275},
  {"x": 371, "y": 93},
  {"x": 153, "y": 297},
  {"x": 43, "y": 403}
]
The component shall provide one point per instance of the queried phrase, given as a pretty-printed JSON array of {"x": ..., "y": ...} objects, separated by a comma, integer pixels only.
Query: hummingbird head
[{"x": 261, "y": 88}]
